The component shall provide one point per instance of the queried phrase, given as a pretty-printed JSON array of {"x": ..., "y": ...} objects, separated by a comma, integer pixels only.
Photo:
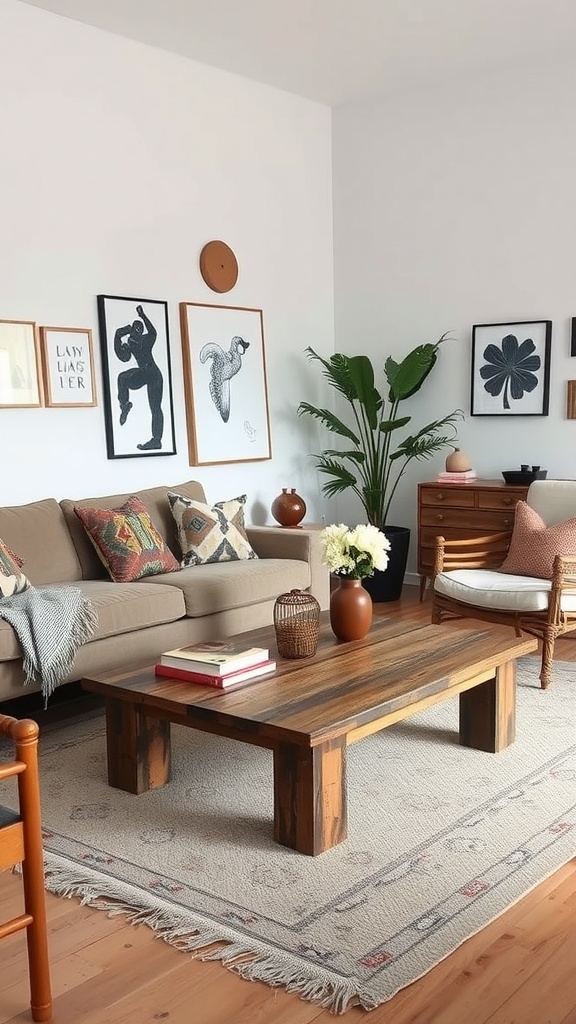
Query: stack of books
[
  {"x": 457, "y": 478},
  {"x": 219, "y": 663}
]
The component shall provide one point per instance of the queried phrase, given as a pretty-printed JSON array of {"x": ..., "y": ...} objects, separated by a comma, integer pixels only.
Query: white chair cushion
[{"x": 485, "y": 588}]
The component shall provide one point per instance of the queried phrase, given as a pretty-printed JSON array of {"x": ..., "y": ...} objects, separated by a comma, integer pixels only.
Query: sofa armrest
[{"x": 302, "y": 544}]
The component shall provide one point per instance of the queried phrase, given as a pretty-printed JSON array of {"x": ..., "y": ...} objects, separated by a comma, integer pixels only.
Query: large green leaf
[
  {"x": 362, "y": 380},
  {"x": 329, "y": 419}
]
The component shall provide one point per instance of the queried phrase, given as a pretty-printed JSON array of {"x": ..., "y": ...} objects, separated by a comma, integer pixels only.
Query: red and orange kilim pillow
[{"x": 127, "y": 541}]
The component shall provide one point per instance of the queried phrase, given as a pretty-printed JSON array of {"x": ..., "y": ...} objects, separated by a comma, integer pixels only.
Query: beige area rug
[{"x": 441, "y": 840}]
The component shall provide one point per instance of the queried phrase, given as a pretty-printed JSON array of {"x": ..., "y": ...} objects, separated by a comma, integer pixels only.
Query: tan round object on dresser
[
  {"x": 458, "y": 462},
  {"x": 218, "y": 266}
]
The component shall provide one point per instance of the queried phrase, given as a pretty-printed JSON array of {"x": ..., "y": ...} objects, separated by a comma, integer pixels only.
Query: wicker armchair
[
  {"x": 21, "y": 842},
  {"x": 467, "y": 584}
]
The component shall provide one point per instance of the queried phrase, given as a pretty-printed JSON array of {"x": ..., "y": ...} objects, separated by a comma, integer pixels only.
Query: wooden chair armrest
[{"x": 487, "y": 552}]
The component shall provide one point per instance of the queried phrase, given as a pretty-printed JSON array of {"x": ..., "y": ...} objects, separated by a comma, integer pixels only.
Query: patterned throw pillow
[
  {"x": 211, "y": 533},
  {"x": 534, "y": 546},
  {"x": 12, "y": 581},
  {"x": 127, "y": 541}
]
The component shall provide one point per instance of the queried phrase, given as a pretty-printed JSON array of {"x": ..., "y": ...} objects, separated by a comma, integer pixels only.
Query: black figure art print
[
  {"x": 511, "y": 368},
  {"x": 225, "y": 383},
  {"x": 137, "y": 377}
]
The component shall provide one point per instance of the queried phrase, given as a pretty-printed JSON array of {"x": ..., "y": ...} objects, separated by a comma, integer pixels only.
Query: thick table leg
[
  {"x": 310, "y": 796},
  {"x": 488, "y": 712},
  {"x": 138, "y": 748}
]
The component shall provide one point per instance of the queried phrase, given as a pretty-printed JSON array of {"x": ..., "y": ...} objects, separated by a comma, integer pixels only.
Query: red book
[{"x": 217, "y": 682}]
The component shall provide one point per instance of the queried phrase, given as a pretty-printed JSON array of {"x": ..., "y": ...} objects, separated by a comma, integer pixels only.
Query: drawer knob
[
  {"x": 439, "y": 517},
  {"x": 507, "y": 522},
  {"x": 506, "y": 501},
  {"x": 439, "y": 496}
]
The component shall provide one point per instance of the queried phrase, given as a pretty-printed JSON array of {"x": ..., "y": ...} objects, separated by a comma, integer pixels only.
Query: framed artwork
[
  {"x": 137, "y": 378},
  {"x": 20, "y": 381},
  {"x": 225, "y": 384},
  {"x": 511, "y": 368},
  {"x": 573, "y": 337},
  {"x": 68, "y": 366}
]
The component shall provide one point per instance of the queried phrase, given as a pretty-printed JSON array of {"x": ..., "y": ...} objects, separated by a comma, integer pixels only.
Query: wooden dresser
[{"x": 460, "y": 511}]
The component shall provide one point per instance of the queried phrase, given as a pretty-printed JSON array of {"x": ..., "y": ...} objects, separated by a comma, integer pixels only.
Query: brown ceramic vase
[
  {"x": 288, "y": 508},
  {"x": 350, "y": 610}
]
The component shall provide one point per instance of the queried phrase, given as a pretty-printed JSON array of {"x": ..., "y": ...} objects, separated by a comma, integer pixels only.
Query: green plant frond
[
  {"x": 355, "y": 456},
  {"x": 341, "y": 478},
  {"x": 336, "y": 371},
  {"x": 389, "y": 425},
  {"x": 421, "y": 447},
  {"x": 329, "y": 420},
  {"x": 436, "y": 425}
]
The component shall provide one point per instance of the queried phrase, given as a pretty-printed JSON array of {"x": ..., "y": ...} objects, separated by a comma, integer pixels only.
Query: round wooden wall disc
[{"x": 218, "y": 266}]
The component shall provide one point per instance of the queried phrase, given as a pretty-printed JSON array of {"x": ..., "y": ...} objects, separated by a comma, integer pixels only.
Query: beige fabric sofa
[{"x": 137, "y": 621}]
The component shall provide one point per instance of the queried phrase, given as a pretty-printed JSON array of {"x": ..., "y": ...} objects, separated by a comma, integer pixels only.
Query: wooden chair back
[{"x": 21, "y": 842}]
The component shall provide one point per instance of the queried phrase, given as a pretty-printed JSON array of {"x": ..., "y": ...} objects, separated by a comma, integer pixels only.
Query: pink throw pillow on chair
[{"x": 534, "y": 546}]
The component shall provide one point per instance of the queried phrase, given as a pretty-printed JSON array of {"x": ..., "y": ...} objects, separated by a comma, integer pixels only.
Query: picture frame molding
[
  {"x": 107, "y": 332},
  {"x": 476, "y": 383},
  {"x": 46, "y": 366},
  {"x": 196, "y": 431},
  {"x": 33, "y": 358}
]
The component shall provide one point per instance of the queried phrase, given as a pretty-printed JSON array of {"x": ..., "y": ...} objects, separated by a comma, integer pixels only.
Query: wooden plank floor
[{"x": 518, "y": 970}]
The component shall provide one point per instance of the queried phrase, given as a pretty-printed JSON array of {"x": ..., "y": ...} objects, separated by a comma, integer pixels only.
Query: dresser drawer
[
  {"x": 441, "y": 519},
  {"x": 455, "y": 497},
  {"x": 500, "y": 499}
]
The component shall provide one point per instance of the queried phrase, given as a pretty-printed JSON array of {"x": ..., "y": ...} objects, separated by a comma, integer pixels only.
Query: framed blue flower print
[{"x": 511, "y": 368}]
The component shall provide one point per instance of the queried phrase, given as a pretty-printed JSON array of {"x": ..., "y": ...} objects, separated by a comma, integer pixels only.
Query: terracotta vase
[
  {"x": 288, "y": 508},
  {"x": 350, "y": 610}
]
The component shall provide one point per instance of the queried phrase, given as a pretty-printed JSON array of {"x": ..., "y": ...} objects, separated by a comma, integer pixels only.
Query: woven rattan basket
[{"x": 297, "y": 624}]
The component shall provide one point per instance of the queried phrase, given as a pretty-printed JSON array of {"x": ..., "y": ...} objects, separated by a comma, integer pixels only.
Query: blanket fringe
[{"x": 198, "y": 936}]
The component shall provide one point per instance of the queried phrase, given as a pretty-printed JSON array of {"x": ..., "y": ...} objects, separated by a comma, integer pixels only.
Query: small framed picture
[
  {"x": 68, "y": 366},
  {"x": 137, "y": 377},
  {"x": 20, "y": 381},
  {"x": 511, "y": 368},
  {"x": 225, "y": 384}
]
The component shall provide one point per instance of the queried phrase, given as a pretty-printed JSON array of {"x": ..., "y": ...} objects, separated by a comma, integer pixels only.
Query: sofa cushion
[
  {"x": 156, "y": 501},
  {"x": 211, "y": 533},
  {"x": 121, "y": 608},
  {"x": 127, "y": 541},
  {"x": 221, "y": 586},
  {"x": 40, "y": 536},
  {"x": 534, "y": 546}
]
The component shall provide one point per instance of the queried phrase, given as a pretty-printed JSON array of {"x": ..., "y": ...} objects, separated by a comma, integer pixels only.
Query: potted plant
[{"x": 372, "y": 461}]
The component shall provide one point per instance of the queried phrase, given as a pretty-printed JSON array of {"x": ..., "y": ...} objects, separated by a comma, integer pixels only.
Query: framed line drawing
[
  {"x": 137, "y": 377},
  {"x": 20, "y": 380},
  {"x": 225, "y": 384},
  {"x": 573, "y": 337},
  {"x": 68, "y": 367},
  {"x": 511, "y": 368}
]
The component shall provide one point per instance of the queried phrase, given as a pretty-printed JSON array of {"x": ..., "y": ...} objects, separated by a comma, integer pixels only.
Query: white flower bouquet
[{"x": 354, "y": 552}]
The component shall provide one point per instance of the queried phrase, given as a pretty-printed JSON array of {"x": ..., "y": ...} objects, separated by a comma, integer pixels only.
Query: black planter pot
[{"x": 387, "y": 585}]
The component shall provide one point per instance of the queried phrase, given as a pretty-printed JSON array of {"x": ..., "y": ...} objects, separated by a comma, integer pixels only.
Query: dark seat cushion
[{"x": 7, "y": 817}]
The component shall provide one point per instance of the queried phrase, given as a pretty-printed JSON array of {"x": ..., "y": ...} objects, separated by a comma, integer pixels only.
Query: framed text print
[
  {"x": 138, "y": 408},
  {"x": 225, "y": 384},
  {"x": 68, "y": 366},
  {"x": 511, "y": 368}
]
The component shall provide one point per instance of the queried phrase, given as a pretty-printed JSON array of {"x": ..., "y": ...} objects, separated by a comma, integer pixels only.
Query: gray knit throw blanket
[{"x": 51, "y": 623}]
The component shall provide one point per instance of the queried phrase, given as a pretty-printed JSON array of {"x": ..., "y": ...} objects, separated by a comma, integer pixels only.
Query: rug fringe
[{"x": 196, "y": 935}]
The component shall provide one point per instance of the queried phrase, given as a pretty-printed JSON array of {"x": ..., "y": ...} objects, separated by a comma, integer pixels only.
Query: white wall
[
  {"x": 118, "y": 163},
  {"x": 455, "y": 206}
]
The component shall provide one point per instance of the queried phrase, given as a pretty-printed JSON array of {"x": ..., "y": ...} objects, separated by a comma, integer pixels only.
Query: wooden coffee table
[{"x": 310, "y": 710}]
